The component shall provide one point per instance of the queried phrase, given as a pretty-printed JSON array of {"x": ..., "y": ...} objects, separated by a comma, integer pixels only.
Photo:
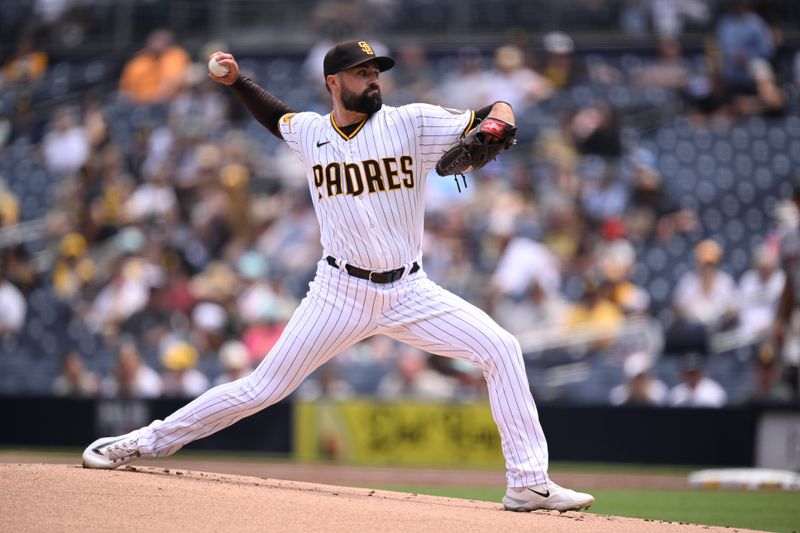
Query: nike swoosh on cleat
[
  {"x": 545, "y": 494},
  {"x": 97, "y": 450},
  {"x": 322, "y": 143}
]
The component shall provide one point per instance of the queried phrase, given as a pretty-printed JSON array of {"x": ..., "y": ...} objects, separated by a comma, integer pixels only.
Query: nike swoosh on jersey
[{"x": 322, "y": 143}]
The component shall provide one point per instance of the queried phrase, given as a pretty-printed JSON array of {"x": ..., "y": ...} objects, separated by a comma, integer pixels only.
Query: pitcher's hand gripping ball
[
  {"x": 479, "y": 146},
  {"x": 216, "y": 68}
]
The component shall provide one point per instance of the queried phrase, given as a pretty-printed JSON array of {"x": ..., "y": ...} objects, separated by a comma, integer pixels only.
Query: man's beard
[{"x": 366, "y": 102}]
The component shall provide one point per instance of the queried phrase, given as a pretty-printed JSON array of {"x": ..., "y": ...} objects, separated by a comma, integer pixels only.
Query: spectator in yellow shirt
[{"x": 595, "y": 313}]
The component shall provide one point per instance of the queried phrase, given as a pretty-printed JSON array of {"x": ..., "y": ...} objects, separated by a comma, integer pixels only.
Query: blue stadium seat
[
  {"x": 739, "y": 261},
  {"x": 723, "y": 151},
  {"x": 620, "y": 96},
  {"x": 740, "y": 138},
  {"x": 656, "y": 259},
  {"x": 746, "y": 192},
  {"x": 781, "y": 165},
  {"x": 760, "y": 151},
  {"x": 581, "y": 96},
  {"x": 706, "y": 166},
  {"x": 712, "y": 219},
  {"x": 686, "y": 151},
  {"x": 641, "y": 274},
  {"x": 677, "y": 246},
  {"x": 777, "y": 138},
  {"x": 764, "y": 178},
  {"x": 755, "y": 126},
  {"x": 661, "y": 290},
  {"x": 733, "y": 231},
  {"x": 743, "y": 165},
  {"x": 94, "y": 72},
  {"x": 704, "y": 140},
  {"x": 794, "y": 150},
  {"x": 730, "y": 206},
  {"x": 792, "y": 126}
]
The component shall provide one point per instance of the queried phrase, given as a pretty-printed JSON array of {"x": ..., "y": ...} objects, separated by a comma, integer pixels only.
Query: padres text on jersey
[{"x": 368, "y": 187}]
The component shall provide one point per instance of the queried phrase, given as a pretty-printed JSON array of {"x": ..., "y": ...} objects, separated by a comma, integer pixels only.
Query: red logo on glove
[{"x": 493, "y": 127}]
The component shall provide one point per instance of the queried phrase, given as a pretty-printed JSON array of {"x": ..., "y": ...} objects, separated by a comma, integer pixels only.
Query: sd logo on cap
[{"x": 352, "y": 53}]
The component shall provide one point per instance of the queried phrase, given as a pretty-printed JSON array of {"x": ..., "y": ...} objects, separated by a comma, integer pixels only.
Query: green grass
[{"x": 769, "y": 511}]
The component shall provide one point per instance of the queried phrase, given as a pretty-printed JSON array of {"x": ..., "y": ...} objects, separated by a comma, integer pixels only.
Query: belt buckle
[{"x": 371, "y": 272}]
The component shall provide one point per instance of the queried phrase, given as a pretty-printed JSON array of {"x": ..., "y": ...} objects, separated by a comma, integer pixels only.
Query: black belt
[{"x": 375, "y": 276}]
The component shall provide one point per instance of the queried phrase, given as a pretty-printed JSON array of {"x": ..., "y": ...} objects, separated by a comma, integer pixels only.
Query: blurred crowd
[{"x": 185, "y": 245}]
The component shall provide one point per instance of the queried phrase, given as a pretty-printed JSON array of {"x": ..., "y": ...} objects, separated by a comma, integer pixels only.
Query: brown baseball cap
[{"x": 352, "y": 53}]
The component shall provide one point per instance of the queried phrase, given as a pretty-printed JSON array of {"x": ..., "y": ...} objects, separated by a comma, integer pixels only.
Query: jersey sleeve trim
[{"x": 469, "y": 124}]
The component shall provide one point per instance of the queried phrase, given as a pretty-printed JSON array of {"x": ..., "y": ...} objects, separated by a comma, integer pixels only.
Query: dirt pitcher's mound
[{"x": 42, "y": 497}]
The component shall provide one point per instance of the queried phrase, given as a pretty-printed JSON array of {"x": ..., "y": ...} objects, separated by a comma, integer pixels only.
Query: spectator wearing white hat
[
  {"x": 561, "y": 67},
  {"x": 235, "y": 362},
  {"x": 209, "y": 323},
  {"x": 641, "y": 388}
]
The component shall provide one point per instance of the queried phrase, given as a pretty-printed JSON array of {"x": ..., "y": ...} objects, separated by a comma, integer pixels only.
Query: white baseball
[{"x": 216, "y": 69}]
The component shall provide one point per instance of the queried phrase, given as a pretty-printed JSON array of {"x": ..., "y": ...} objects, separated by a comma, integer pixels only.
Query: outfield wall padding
[{"x": 714, "y": 437}]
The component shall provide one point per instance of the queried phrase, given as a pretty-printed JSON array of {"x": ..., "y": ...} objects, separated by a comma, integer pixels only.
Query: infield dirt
[{"x": 67, "y": 497}]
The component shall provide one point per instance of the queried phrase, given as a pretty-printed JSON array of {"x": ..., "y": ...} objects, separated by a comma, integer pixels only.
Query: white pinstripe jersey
[{"x": 368, "y": 187}]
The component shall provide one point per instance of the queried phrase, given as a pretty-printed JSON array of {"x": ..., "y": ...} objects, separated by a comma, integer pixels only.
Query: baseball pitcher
[{"x": 366, "y": 165}]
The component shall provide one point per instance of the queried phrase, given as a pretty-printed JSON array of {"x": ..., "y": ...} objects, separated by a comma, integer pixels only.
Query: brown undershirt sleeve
[{"x": 264, "y": 106}]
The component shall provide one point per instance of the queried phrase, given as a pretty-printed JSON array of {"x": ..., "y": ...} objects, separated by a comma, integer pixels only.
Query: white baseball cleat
[
  {"x": 112, "y": 452},
  {"x": 551, "y": 498}
]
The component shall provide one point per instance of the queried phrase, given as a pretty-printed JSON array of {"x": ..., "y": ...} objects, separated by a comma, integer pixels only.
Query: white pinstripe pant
[{"x": 340, "y": 310}]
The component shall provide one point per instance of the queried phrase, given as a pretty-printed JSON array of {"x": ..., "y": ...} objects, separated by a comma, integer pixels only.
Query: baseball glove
[{"x": 479, "y": 146}]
